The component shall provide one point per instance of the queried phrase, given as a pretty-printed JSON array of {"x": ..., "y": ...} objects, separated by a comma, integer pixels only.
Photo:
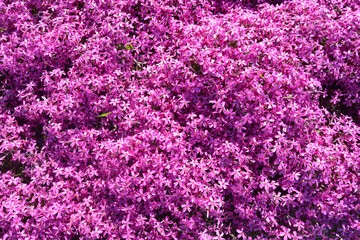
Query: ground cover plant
[{"x": 171, "y": 119}]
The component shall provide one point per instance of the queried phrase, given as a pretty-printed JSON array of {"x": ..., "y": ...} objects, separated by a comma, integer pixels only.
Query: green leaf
[
  {"x": 290, "y": 96},
  {"x": 262, "y": 76},
  {"x": 129, "y": 47},
  {"x": 122, "y": 47},
  {"x": 105, "y": 114}
]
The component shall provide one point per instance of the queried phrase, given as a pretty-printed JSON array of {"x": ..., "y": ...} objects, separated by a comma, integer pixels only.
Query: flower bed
[{"x": 169, "y": 119}]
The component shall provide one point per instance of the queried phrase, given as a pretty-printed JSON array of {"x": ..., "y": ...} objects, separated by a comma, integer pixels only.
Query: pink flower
[
  {"x": 186, "y": 207},
  {"x": 285, "y": 233}
]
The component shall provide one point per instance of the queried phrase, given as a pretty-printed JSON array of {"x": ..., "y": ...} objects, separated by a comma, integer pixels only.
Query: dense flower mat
[{"x": 179, "y": 119}]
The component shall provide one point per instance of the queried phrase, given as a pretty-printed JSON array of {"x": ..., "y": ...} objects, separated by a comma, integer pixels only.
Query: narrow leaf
[
  {"x": 105, "y": 114},
  {"x": 262, "y": 76}
]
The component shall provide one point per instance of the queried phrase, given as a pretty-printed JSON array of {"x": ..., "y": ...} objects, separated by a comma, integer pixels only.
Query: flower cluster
[{"x": 172, "y": 119}]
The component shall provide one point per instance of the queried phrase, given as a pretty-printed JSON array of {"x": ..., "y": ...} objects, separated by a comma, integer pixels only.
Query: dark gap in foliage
[
  {"x": 83, "y": 40},
  {"x": 176, "y": 16},
  {"x": 276, "y": 177},
  {"x": 20, "y": 120},
  {"x": 254, "y": 234},
  {"x": 3, "y": 77},
  {"x": 52, "y": 13},
  {"x": 39, "y": 136},
  {"x": 271, "y": 2},
  {"x": 228, "y": 196},
  {"x": 178, "y": 117},
  {"x": 9, "y": 29},
  {"x": 68, "y": 65},
  {"x": 11, "y": 102},
  {"x": 39, "y": 90},
  {"x": 79, "y": 5},
  {"x": 274, "y": 2},
  {"x": 34, "y": 12},
  {"x": 131, "y": 162},
  {"x": 196, "y": 68},
  {"x": 15, "y": 167},
  {"x": 259, "y": 167},
  {"x": 77, "y": 237},
  {"x": 339, "y": 108},
  {"x": 280, "y": 190},
  {"x": 25, "y": 219},
  {"x": 68, "y": 124},
  {"x": 163, "y": 214},
  {"x": 2, "y": 84},
  {"x": 155, "y": 107},
  {"x": 222, "y": 6},
  {"x": 219, "y": 7},
  {"x": 272, "y": 159},
  {"x": 255, "y": 192},
  {"x": 137, "y": 11}
]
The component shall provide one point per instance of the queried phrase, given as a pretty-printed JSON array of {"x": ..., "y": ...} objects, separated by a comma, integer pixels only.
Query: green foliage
[
  {"x": 290, "y": 96},
  {"x": 262, "y": 76},
  {"x": 121, "y": 46},
  {"x": 105, "y": 114}
]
